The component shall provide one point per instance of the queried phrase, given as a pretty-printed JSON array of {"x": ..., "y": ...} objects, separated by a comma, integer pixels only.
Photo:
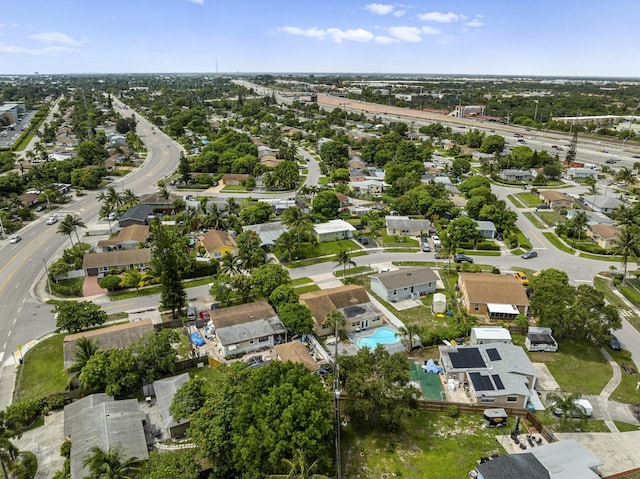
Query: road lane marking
[
  {"x": 9, "y": 333},
  {"x": 15, "y": 320}
]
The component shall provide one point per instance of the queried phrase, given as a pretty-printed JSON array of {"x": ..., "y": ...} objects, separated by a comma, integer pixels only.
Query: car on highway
[
  {"x": 529, "y": 255},
  {"x": 15, "y": 239},
  {"x": 52, "y": 220},
  {"x": 635, "y": 156},
  {"x": 463, "y": 258}
]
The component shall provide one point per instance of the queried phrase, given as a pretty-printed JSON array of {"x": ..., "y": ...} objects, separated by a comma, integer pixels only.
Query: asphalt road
[{"x": 22, "y": 317}]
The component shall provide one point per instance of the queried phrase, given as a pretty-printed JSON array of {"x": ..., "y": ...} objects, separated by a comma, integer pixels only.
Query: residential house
[
  {"x": 352, "y": 300},
  {"x": 606, "y": 236},
  {"x": 164, "y": 390},
  {"x": 100, "y": 421},
  {"x": 487, "y": 229},
  {"x": 368, "y": 187},
  {"x": 514, "y": 174},
  {"x": 490, "y": 334},
  {"x": 233, "y": 179},
  {"x": 111, "y": 337},
  {"x": 593, "y": 217},
  {"x": 564, "y": 459},
  {"x": 405, "y": 226},
  {"x": 140, "y": 214},
  {"x": 494, "y": 296},
  {"x": 128, "y": 237},
  {"x": 601, "y": 203},
  {"x": 297, "y": 352},
  {"x": 29, "y": 199},
  {"x": 246, "y": 328},
  {"x": 495, "y": 374},
  {"x": 581, "y": 173},
  {"x": 333, "y": 230},
  {"x": 217, "y": 243},
  {"x": 268, "y": 232},
  {"x": 95, "y": 263},
  {"x": 556, "y": 200},
  {"x": 404, "y": 283},
  {"x": 344, "y": 200}
]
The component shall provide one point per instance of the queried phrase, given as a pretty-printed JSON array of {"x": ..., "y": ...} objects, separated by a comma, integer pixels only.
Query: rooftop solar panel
[
  {"x": 467, "y": 358},
  {"x": 497, "y": 381},
  {"x": 480, "y": 382},
  {"x": 493, "y": 354}
]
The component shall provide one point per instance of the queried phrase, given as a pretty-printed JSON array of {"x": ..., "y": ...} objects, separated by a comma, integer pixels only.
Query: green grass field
[
  {"x": 42, "y": 372},
  {"x": 529, "y": 199}
]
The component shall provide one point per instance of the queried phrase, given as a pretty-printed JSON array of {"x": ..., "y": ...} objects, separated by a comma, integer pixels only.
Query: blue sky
[{"x": 509, "y": 37}]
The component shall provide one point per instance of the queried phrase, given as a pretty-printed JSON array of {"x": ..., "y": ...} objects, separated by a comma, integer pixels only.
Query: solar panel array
[
  {"x": 467, "y": 358},
  {"x": 497, "y": 381},
  {"x": 486, "y": 383}
]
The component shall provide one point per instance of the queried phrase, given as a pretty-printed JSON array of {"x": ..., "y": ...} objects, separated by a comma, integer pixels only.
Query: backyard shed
[
  {"x": 490, "y": 334},
  {"x": 439, "y": 304}
]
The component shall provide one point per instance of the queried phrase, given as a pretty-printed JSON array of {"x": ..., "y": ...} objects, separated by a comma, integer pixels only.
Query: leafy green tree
[
  {"x": 190, "y": 398},
  {"x": 111, "y": 464},
  {"x": 283, "y": 294},
  {"x": 231, "y": 264},
  {"x": 296, "y": 317},
  {"x": 334, "y": 154},
  {"x": 492, "y": 144},
  {"x": 408, "y": 333},
  {"x": 77, "y": 316},
  {"x": 462, "y": 230},
  {"x": 378, "y": 387},
  {"x": 222, "y": 288},
  {"x": 155, "y": 353},
  {"x": 473, "y": 182},
  {"x": 167, "y": 464},
  {"x": 256, "y": 214},
  {"x": 337, "y": 323},
  {"x": 122, "y": 373},
  {"x": 184, "y": 168},
  {"x": 110, "y": 282},
  {"x": 243, "y": 284},
  {"x": 326, "y": 204},
  {"x": 460, "y": 166},
  {"x": 165, "y": 260},
  {"x": 267, "y": 277},
  {"x": 250, "y": 253}
]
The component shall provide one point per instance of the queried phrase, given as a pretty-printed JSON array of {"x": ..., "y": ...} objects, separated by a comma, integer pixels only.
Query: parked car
[
  {"x": 255, "y": 361},
  {"x": 363, "y": 240},
  {"x": 614, "y": 343},
  {"x": 529, "y": 255},
  {"x": 583, "y": 409},
  {"x": 425, "y": 246},
  {"x": 519, "y": 275},
  {"x": 628, "y": 369},
  {"x": 40, "y": 208},
  {"x": 461, "y": 258},
  {"x": 52, "y": 219},
  {"x": 542, "y": 207},
  {"x": 15, "y": 239},
  {"x": 360, "y": 227},
  {"x": 191, "y": 312},
  {"x": 436, "y": 241}
]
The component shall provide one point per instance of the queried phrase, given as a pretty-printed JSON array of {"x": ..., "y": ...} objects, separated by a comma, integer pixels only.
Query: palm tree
[
  {"x": 163, "y": 191},
  {"x": 66, "y": 228},
  {"x": 628, "y": 247},
  {"x": 76, "y": 223},
  {"x": 111, "y": 464},
  {"x": 298, "y": 468},
  {"x": 625, "y": 175},
  {"x": 84, "y": 350},
  {"x": 295, "y": 219},
  {"x": 407, "y": 334},
  {"x": 624, "y": 216},
  {"x": 233, "y": 207},
  {"x": 230, "y": 264},
  {"x": 577, "y": 224},
  {"x": 8, "y": 451},
  {"x": 344, "y": 258},
  {"x": 565, "y": 406},
  {"x": 286, "y": 242},
  {"x": 335, "y": 320},
  {"x": 129, "y": 198},
  {"x": 105, "y": 212},
  {"x": 134, "y": 278}
]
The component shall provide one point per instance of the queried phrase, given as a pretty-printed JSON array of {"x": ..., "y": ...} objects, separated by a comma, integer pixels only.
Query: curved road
[{"x": 22, "y": 317}]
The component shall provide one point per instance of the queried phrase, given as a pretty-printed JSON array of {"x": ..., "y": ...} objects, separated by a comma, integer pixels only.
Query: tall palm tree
[
  {"x": 335, "y": 320},
  {"x": 565, "y": 405},
  {"x": 624, "y": 216},
  {"x": 343, "y": 257},
  {"x": 231, "y": 264},
  {"x": 407, "y": 334},
  {"x": 66, "y": 228},
  {"x": 295, "y": 219},
  {"x": 8, "y": 451},
  {"x": 105, "y": 212},
  {"x": 111, "y": 464},
  {"x": 577, "y": 224},
  {"x": 298, "y": 468},
  {"x": 626, "y": 175},
  {"x": 628, "y": 247},
  {"x": 163, "y": 191},
  {"x": 84, "y": 350},
  {"x": 233, "y": 207},
  {"x": 76, "y": 223},
  {"x": 129, "y": 198},
  {"x": 286, "y": 242}
]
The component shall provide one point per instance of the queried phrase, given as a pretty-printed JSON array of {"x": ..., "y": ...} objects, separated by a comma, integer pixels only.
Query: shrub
[
  {"x": 26, "y": 466},
  {"x": 488, "y": 246},
  {"x": 65, "y": 448},
  {"x": 452, "y": 411},
  {"x": 625, "y": 354},
  {"x": 111, "y": 283}
]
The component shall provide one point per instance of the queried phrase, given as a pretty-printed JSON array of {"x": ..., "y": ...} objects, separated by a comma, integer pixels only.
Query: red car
[{"x": 205, "y": 315}]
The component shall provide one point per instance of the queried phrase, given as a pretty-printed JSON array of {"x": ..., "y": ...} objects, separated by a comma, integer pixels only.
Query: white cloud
[
  {"x": 440, "y": 17},
  {"x": 356, "y": 35},
  {"x": 385, "y": 40},
  {"x": 430, "y": 30},
  {"x": 406, "y": 34},
  {"x": 379, "y": 8},
  {"x": 4, "y": 48},
  {"x": 199, "y": 2},
  {"x": 310, "y": 32},
  {"x": 476, "y": 22},
  {"x": 55, "y": 37},
  {"x": 399, "y": 13}
]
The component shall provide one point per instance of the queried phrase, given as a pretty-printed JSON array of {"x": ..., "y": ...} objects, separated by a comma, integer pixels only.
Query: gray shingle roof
[
  {"x": 406, "y": 223},
  {"x": 165, "y": 389},
  {"x": 406, "y": 277}
]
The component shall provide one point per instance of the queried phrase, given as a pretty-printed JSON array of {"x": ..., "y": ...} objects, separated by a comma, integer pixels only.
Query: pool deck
[{"x": 351, "y": 348}]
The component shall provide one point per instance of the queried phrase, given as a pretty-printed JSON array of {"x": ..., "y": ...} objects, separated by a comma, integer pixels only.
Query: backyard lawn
[
  {"x": 529, "y": 199},
  {"x": 42, "y": 372},
  {"x": 430, "y": 445}
]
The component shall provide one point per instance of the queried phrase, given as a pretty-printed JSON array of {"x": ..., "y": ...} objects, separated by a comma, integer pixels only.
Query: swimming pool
[{"x": 380, "y": 336}]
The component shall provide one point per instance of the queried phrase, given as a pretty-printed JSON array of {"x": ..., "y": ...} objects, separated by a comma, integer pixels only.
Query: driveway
[
  {"x": 45, "y": 443},
  {"x": 90, "y": 287}
]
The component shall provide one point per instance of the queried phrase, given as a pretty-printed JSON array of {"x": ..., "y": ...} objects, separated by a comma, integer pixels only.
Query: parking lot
[{"x": 9, "y": 137}]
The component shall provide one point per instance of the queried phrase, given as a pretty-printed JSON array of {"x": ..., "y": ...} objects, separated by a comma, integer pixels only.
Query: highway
[{"x": 22, "y": 316}]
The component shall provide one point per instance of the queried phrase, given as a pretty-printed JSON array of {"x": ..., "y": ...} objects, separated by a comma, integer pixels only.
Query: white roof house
[{"x": 334, "y": 230}]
